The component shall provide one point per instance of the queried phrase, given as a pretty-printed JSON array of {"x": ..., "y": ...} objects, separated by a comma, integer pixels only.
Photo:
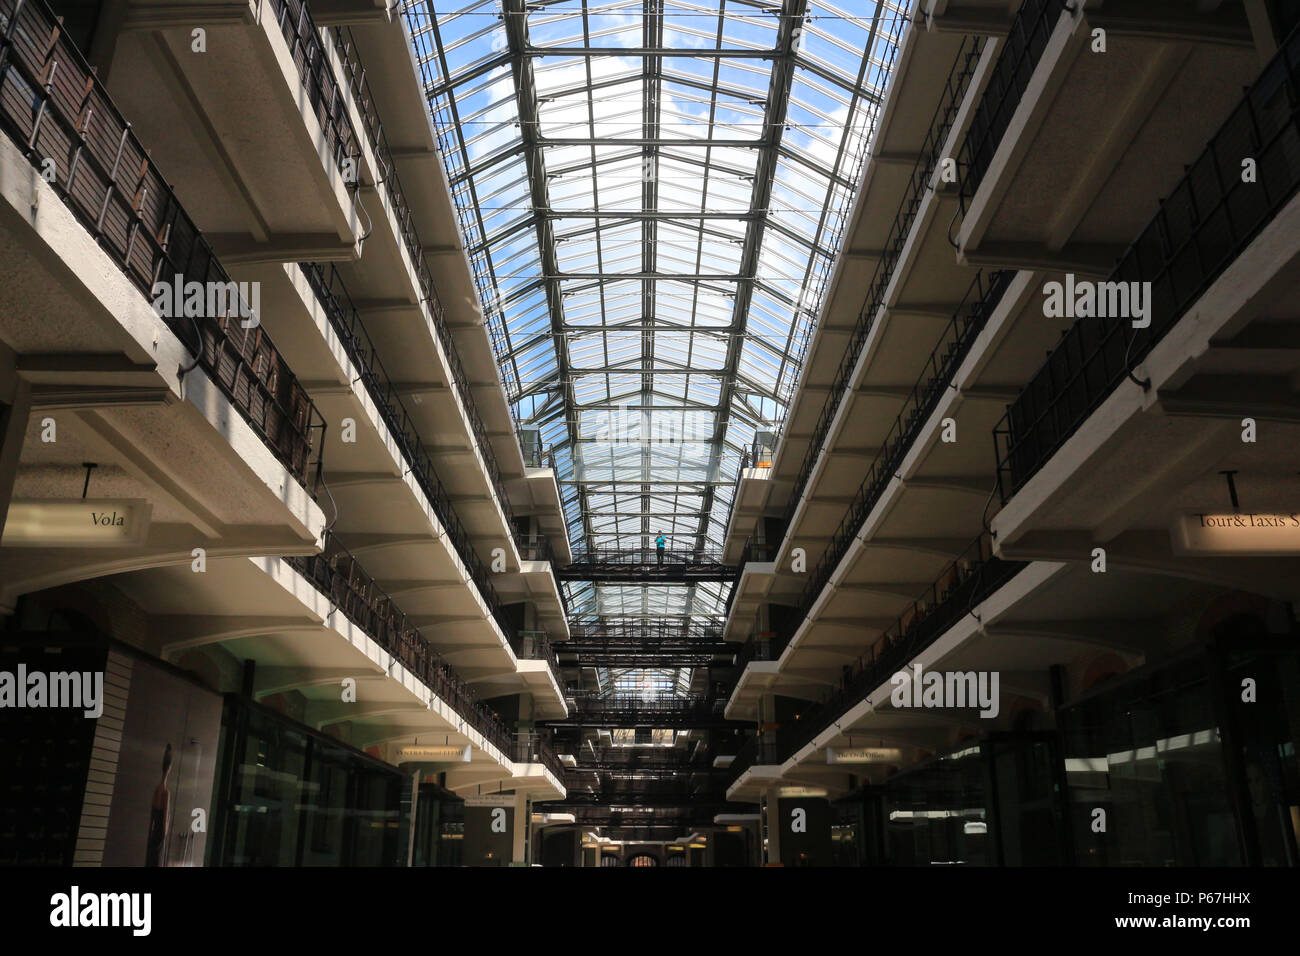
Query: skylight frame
[{"x": 596, "y": 231}]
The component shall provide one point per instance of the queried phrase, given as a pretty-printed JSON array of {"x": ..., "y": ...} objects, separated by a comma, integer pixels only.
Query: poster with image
[{"x": 165, "y": 771}]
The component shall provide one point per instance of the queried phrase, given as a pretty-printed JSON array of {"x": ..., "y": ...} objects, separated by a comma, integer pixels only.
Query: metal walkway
[{"x": 648, "y": 565}]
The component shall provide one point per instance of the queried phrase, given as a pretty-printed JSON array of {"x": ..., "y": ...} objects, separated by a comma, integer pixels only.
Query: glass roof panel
[{"x": 652, "y": 193}]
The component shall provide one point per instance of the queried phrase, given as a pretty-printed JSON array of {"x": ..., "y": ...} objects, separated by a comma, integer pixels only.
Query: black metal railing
[
  {"x": 756, "y": 454},
  {"x": 963, "y": 584},
  {"x": 320, "y": 84},
  {"x": 1208, "y": 219},
  {"x": 355, "y": 71},
  {"x": 343, "y": 316},
  {"x": 889, "y": 36},
  {"x": 757, "y": 751},
  {"x": 634, "y": 654},
  {"x": 913, "y": 193},
  {"x": 757, "y": 551},
  {"x": 652, "y": 793},
  {"x": 764, "y": 646},
  {"x": 651, "y": 630},
  {"x": 533, "y": 748},
  {"x": 1021, "y": 50},
  {"x": 535, "y": 646},
  {"x": 537, "y": 454},
  {"x": 535, "y": 547},
  {"x": 639, "y": 557},
  {"x": 56, "y": 111},
  {"x": 647, "y": 703},
  {"x": 617, "y": 761},
  {"x": 340, "y": 577},
  {"x": 663, "y": 710},
  {"x": 982, "y": 297},
  {"x": 455, "y": 160}
]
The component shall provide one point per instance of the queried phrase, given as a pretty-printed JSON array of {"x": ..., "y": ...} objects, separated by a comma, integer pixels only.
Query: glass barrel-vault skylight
[{"x": 652, "y": 193}]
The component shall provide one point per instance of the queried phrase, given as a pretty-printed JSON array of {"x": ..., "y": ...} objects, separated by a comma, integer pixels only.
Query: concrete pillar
[
  {"x": 527, "y": 713},
  {"x": 521, "y": 844},
  {"x": 103, "y": 42},
  {"x": 15, "y": 407},
  {"x": 490, "y": 830},
  {"x": 1261, "y": 29},
  {"x": 772, "y": 856},
  {"x": 804, "y": 828},
  {"x": 411, "y": 801}
]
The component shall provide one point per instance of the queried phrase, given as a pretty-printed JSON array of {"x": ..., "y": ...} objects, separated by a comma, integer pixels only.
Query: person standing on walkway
[{"x": 660, "y": 542}]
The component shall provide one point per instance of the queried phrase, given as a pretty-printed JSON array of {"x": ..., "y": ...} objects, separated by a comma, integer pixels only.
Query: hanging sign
[
  {"x": 77, "y": 522},
  {"x": 863, "y": 755},
  {"x": 421, "y": 753},
  {"x": 491, "y": 800},
  {"x": 1262, "y": 534}
]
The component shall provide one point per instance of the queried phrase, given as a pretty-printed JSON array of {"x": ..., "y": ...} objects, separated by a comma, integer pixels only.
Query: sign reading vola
[
  {"x": 82, "y": 522},
  {"x": 1244, "y": 533}
]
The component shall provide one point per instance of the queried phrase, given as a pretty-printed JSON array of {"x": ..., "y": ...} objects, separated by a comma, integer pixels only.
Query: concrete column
[
  {"x": 15, "y": 408},
  {"x": 412, "y": 808},
  {"x": 1261, "y": 29},
  {"x": 103, "y": 42},
  {"x": 770, "y": 807},
  {"x": 527, "y": 713},
  {"x": 804, "y": 828},
  {"x": 491, "y": 833},
  {"x": 519, "y": 850}
]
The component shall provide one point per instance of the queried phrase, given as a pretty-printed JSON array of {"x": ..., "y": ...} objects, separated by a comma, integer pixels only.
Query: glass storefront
[
  {"x": 1262, "y": 685},
  {"x": 1190, "y": 762},
  {"x": 990, "y": 802},
  {"x": 290, "y": 797},
  {"x": 439, "y": 827},
  {"x": 935, "y": 813},
  {"x": 848, "y": 832},
  {"x": 1027, "y": 812},
  {"x": 1145, "y": 770}
]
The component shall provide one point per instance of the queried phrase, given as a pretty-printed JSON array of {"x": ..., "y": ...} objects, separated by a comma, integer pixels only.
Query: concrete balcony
[
  {"x": 885, "y": 552},
  {"x": 1153, "y": 455},
  {"x": 392, "y": 508},
  {"x": 385, "y": 82},
  {"x": 1188, "y": 411},
  {"x": 251, "y": 125},
  {"x": 894, "y": 287},
  {"x": 199, "y": 432},
  {"x": 1050, "y": 622},
  {"x": 1122, "y": 122},
  {"x": 306, "y": 635}
]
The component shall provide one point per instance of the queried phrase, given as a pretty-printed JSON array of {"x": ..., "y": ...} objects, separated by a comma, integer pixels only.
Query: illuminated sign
[
  {"x": 491, "y": 800},
  {"x": 863, "y": 755},
  {"x": 80, "y": 522},
  {"x": 421, "y": 753},
  {"x": 802, "y": 792},
  {"x": 1244, "y": 533}
]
